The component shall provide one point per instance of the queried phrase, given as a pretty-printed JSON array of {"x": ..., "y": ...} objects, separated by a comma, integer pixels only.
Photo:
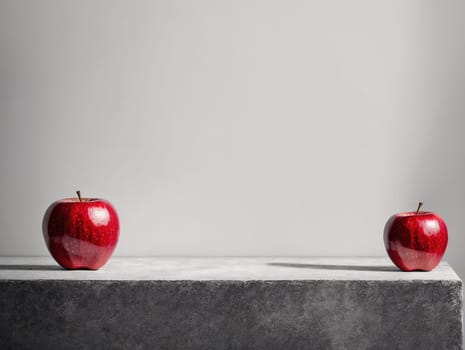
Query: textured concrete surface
[
  {"x": 224, "y": 268},
  {"x": 229, "y": 303}
]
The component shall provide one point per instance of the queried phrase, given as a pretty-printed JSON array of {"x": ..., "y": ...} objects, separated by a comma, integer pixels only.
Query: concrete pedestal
[{"x": 229, "y": 303}]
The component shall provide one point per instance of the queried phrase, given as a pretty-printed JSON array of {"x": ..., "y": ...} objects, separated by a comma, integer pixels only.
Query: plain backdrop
[{"x": 234, "y": 127}]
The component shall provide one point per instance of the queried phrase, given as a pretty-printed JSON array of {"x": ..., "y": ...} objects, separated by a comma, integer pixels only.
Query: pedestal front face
[{"x": 229, "y": 303}]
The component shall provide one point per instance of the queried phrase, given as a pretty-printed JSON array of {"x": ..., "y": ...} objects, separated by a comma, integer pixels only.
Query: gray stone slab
[
  {"x": 223, "y": 268},
  {"x": 229, "y": 303}
]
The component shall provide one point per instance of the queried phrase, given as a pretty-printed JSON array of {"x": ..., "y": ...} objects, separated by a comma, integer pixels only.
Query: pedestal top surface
[{"x": 223, "y": 268}]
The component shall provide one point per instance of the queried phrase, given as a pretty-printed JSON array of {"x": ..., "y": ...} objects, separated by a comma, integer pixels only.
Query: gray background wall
[{"x": 234, "y": 127}]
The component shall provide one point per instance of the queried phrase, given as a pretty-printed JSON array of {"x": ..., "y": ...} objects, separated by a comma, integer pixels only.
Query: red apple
[
  {"x": 81, "y": 233},
  {"x": 415, "y": 240}
]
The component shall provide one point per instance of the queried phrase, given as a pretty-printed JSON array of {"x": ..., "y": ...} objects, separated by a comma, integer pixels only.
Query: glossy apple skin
[
  {"x": 415, "y": 241},
  {"x": 81, "y": 234}
]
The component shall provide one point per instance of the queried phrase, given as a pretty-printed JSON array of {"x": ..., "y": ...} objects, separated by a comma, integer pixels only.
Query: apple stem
[
  {"x": 79, "y": 195},
  {"x": 419, "y": 206}
]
